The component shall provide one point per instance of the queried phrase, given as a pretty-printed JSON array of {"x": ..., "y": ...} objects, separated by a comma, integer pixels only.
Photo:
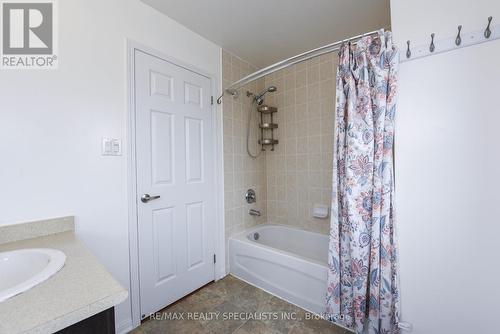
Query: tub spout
[{"x": 253, "y": 212}]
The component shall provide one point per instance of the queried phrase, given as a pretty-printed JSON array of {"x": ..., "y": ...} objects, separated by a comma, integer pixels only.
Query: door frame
[{"x": 219, "y": 237}]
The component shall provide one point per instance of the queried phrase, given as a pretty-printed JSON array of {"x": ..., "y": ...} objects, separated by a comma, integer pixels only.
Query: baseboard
[
  {"x": 124, "y": 326},
  {"x": 220, "y": 274}
]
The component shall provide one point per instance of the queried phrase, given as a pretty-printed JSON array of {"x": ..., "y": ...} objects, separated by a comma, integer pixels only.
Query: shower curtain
[{"x": 363, "y": 277}]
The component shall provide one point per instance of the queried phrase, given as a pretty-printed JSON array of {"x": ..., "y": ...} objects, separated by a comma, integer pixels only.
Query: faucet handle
[{"x": 250, "y": 196}]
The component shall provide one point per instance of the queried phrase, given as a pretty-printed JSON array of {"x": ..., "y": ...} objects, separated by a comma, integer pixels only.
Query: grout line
[{"x": 239, "y": 326}]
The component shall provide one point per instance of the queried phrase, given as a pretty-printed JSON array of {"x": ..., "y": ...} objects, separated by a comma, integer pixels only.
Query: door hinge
[
  {"x": 215, "y": 258},
  {"x": 212, "y": 100}
]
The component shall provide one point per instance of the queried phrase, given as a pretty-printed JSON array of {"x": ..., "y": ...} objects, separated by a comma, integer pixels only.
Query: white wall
[
  {"x": 51, "y": 123},
  {"x": 447, "y": 190},
  {"x": 415, "y": 20}
]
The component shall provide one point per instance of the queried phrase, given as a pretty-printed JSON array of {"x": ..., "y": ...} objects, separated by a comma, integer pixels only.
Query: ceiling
[{"x": 263, "y": 32}]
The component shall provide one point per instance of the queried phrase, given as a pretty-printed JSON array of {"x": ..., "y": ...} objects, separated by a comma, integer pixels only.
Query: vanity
[{"x": 78, "y": 297}]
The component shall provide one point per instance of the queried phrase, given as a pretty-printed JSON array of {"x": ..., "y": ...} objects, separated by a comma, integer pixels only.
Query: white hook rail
[{"x": 450, "y": 44}]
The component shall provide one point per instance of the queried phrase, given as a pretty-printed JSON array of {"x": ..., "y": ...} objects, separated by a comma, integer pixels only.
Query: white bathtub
[{"x": 287, "y": 262}]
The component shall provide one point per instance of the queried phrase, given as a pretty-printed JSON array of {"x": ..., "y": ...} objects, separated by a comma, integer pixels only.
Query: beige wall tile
[
  {"x": 300, "y": 175},
  {"x": 240, "y": 171}
]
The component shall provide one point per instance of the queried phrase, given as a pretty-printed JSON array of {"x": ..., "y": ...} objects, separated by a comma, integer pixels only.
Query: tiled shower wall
[
  {"x": 299, "y": 171},
  {"x": 241, "y": 172}
]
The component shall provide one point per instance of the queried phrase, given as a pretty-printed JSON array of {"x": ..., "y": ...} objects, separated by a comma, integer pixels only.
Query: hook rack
[
  {"x": 432, "y": 47},
  {"x": 487, "y": 32},
  {"x": 458, "y": 40}
]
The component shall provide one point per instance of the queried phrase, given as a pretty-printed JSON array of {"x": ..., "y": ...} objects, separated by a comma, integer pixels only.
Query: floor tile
[
  {"x": 284, "y": 315},
  {"x": 241, "y": 309},
  {"x": 225, "y": 325},
  {"x": 256, "y": 327},
  {"x": 316, "y": 326}
]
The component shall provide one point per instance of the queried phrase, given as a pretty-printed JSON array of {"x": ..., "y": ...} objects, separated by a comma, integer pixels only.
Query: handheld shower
[{"x": 259, "y": 99}]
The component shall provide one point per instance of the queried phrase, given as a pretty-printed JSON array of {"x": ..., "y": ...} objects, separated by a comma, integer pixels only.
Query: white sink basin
[{"x": 22, "y": 269}]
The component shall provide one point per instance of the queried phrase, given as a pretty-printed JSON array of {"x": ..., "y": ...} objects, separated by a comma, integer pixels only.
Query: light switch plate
[{"x": 111, "y": 146}]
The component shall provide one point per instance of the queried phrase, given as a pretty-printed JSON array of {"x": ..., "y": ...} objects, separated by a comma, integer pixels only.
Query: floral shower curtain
[{"x": 362, "y": 277}]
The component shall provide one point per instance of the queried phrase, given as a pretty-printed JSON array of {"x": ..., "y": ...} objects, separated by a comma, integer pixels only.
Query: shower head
[{"x": 260, "y": 98}]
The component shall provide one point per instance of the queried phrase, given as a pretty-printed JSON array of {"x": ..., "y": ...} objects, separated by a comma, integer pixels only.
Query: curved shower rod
[{"x": 232, "y": 88}]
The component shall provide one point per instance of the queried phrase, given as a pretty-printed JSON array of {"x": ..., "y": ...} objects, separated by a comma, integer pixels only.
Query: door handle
[{"x": 146, "y": 198}]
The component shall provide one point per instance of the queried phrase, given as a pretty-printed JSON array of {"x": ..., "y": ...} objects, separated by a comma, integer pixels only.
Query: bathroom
[{"x": 241, "y": 181}]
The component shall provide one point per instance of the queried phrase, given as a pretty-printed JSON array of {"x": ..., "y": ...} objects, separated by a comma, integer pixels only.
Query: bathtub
[{"x": 284, "y": 261}]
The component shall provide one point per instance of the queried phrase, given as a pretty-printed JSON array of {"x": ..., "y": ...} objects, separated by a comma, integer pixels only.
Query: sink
[{"x": 22, "y": 269}]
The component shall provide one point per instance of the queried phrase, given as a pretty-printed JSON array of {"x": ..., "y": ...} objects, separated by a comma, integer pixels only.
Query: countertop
[{"x": 79, "y": 290}]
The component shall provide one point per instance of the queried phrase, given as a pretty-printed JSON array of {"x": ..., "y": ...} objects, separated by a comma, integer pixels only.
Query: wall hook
[
  {"x": 458, "y": 40},
  {"x": 487, "y": 32},
  {"x": 408, "y": 52},
  {"x": 432, "y": 47},
  {"x": 219, "y": 99}
]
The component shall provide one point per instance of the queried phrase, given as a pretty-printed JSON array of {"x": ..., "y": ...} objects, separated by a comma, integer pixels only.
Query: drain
[{"x": 256, "y": 236}]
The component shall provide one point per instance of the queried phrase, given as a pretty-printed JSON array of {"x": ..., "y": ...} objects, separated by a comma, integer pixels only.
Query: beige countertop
[{"x": 79, "y": 290}]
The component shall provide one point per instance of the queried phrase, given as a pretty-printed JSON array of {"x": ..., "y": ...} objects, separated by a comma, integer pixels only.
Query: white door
[{"x": 175, "y": 154}]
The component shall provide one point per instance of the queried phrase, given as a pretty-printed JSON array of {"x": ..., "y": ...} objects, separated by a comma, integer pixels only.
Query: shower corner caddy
[{"x": 267, "y": 128}]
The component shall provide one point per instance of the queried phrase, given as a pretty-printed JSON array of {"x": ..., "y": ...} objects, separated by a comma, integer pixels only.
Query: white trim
[
  {"x": 219, "y": 245},
  {"x": 132, "y": 191},
  {"x": 220, "y": 239},
  {"x": 125, "y": 326}
]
